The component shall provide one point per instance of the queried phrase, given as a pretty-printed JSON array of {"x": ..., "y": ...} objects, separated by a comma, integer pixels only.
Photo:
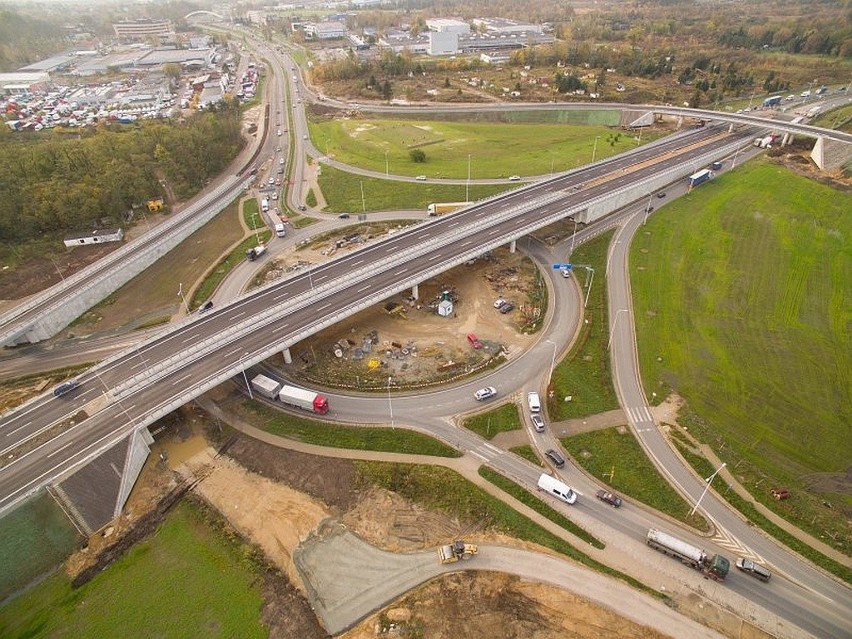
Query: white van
[
  {"x": 280, "y": 231},
  {"x": 556, "y": 488},
  {"x": 534, "y": 402}
]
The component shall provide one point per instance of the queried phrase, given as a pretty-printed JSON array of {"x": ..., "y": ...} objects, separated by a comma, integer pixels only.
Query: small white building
[
  {"x": 325, "y": 30},
  {"x": 447, "y": 25},
  {"x": 95, "y": 237},
  {"x": 445, "y": 308},
  {"x": 443, "y": 43}
]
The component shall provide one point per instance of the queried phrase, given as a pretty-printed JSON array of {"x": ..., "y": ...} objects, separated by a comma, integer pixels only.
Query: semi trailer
[
  {"x": 714, "y": 566},
  {"x": 290, "y": 395}
]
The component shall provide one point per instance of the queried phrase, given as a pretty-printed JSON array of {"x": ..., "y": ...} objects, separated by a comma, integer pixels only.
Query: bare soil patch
[{"x": 408, "y": 340}]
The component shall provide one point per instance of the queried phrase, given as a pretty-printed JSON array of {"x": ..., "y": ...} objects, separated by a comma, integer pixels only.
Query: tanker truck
[
  {"x": 439, "y": 208},
  {"x": 715, "y": 566}
]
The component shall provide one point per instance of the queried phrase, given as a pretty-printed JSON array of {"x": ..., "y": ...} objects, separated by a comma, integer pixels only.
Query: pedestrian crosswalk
[{"x": 639, "y": 415}]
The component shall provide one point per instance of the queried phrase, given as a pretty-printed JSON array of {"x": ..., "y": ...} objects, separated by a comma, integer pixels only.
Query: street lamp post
[
  {"x": 595, "y": 149},
  {"x": 61, "y": 276},
  {"x": 589, "y": 289},
  {"x": 552, "y": 360},
  {"x": 387, "y": 168},
  {"x": 363, "y": 201},
  {"x": 245, "y": 377},
  {"x": 708, "y": 481},
  {"x": 180, "y": 294},
  {"x": 573, "y": 237},
  {"x": 614, "y": 323},
  {"x": 467, "y": 185},
  {"x": 390, "y": 403},
  {"x": 647, "y": 209}
]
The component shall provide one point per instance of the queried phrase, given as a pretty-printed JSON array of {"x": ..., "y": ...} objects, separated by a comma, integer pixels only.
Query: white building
[
  {"x": 443, "y": 43},
  {"x": 446, "y": 25},
  {"x": 500, "y": 25},
  {"x": 95, "y": 237},
  {"x": 325, "y": 30}
]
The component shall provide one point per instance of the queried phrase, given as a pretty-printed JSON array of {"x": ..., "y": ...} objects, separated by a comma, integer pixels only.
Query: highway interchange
[{"x": 151, "y": 379}]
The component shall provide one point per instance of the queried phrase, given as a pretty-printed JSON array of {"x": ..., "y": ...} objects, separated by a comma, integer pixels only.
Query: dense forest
[{"x": 74, "y": 180}]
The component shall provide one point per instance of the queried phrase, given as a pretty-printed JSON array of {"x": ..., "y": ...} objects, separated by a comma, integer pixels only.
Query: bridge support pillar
[
  {"x": 288, "y": 359},
  {"x": 513, "y": 245},
  {"x": 731, "y": 127},
  {"x": 415, "y": 291},
  {"x": 786, "y": 139},
  {"x": 679, "y": 122}
]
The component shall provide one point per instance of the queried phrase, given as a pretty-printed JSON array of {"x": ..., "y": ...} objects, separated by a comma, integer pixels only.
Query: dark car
[
  {"x": 205, "y": 307},
  {"x": 754, "y": 569},
  {"x": 661, "y": 194},
  {"x": 344, "y": 216},
  {"x": 65, "y": 387},
  {"x": 555, "y": 457},
  {"x": 610, "y": 498},
  {"x": 507, "y": 307},
  {"x": 649, "y": 208}
]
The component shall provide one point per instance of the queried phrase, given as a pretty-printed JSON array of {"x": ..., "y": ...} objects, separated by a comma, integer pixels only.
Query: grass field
[
  {"x": 743, "y": 304},
  {"x": 342, "y": 192},
  {"x": 393, "y": 440},
  {"x": 584, "y": 374},
  {"x": 188, "y": 580},
  {"x": 156, "y": 288},
  {"x": 839, "y": 119},
  {"x": 616, "y": 458},
  {"x": 494, "y": 150},
  {"x": 500, "y": 419},
  {"x": 34, "y": 538}
]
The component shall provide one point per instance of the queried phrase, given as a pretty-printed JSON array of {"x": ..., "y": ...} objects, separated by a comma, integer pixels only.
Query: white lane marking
[
  {"x": 280, "y": 328},
  {"x": 12, "y": 432},
  {"x": 492, "y": 448},
  {"x": 475, "y": 454},
  {"x": 59, "y": 450},
  {"x": 191, "y": 338},
  {"x": 238, "y": 315},
  {"x": 366, "y": 287}
]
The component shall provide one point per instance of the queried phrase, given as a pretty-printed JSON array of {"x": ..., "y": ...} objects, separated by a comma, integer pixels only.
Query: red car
[{"x": 474, "y": 341}]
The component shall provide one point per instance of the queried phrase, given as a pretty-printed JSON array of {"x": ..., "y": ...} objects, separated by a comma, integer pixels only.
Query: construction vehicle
[{"x": 451, "y": 553}]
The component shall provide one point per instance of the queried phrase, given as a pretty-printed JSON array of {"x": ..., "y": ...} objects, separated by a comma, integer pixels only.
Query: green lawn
[
  {"x": 584, "y": 374},
  {"x": 188, "y": 580},
  {"x": 34, "y": 538},
  {"x": 495, "y": 150},
  {"x": 617, "y": 459},
  {"x": 392, "y": 440},
  {"x": 500, "y": 419},
  {"x": 342, "y": 192},
  {"x": 744, "y": 306}
]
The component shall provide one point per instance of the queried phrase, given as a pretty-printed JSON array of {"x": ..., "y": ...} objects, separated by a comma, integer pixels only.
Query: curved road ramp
[{"x": 348, "y": 579}]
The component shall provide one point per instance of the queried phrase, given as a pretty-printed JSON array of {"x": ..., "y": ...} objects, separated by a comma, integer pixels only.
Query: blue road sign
[{"x": 562, "y": 267}]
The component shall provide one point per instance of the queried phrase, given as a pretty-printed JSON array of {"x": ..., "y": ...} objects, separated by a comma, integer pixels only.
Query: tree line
[{"x": 76, "y": 180}]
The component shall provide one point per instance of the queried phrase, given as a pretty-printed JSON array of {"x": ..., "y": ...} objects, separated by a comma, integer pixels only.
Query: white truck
[
  {"x": 304, "y": 399},
  {"x": 253, "y": 253},
  {"x": 558, "y": 489},
  {"x": 264, "y": 204},
  {"x": 266, "y": 386}
]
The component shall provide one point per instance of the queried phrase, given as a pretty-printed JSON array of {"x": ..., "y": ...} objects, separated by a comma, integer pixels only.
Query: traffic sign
[{"x": 562, "y": 267}]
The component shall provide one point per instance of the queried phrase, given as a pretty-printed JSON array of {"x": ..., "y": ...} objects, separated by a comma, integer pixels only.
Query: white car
[
  {"x": 485, "y": 393},
  {"x": 499, "y": 302},
  {"x": 422, "y": 178},
  {"x": 538, "y": 423},
  {"x": 514, "y": 178},
  {"x": 566, "y": 273}
]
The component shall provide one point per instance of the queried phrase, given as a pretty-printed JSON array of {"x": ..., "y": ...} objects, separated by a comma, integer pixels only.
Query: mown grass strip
[
  {"x": 389, "y": 440},
  {"x": 225, "y": 266},
  {"x": 704, "y": 468},
  {"x": 445, "y": 490},
  {"x": 615, "y": 457},
  {"x": 502, "y": 419},
  {"x": 136, "y": 595},
  {"x": 524, "y": 496},
  {"x": 584, "y": 374}
]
